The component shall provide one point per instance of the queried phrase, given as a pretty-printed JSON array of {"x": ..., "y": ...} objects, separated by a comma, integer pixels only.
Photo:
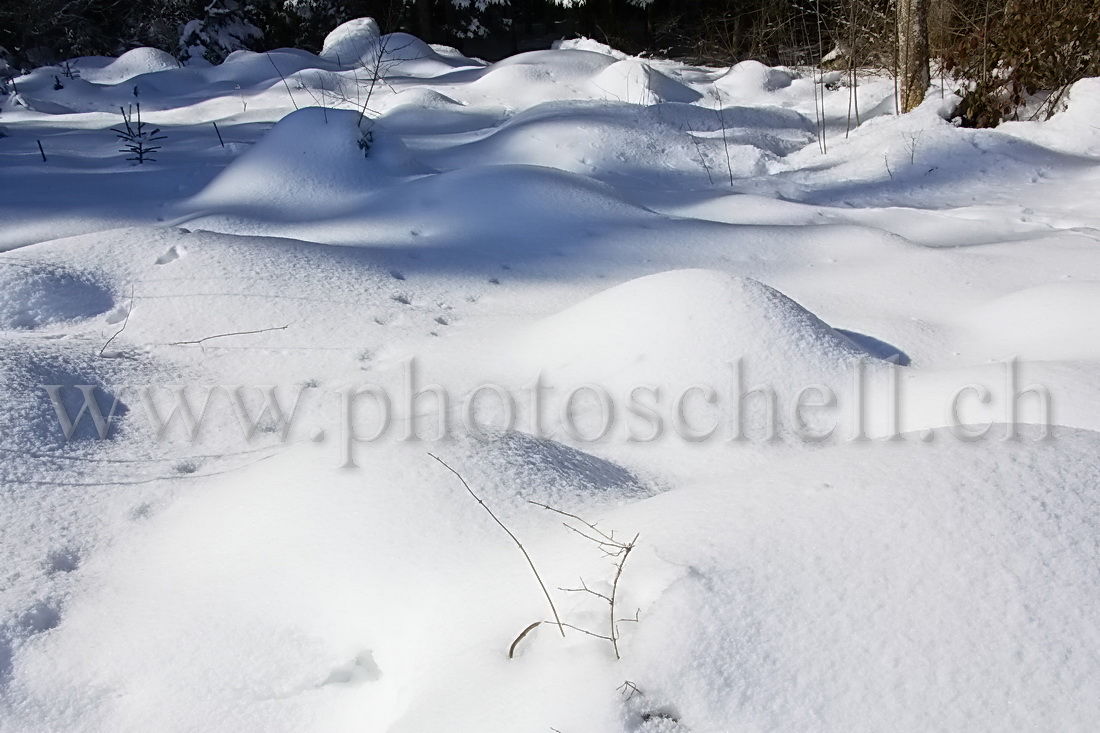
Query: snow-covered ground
[{"x": 670, "y": 236}]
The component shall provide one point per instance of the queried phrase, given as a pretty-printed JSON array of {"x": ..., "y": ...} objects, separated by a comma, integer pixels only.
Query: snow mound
[
  {"x": 588, "y": 44},
  {"x": 406, "y": 55},
  {"x": 37, "y": 297},
  {"x": 685, "y": 326},
  {"x": 636, "y": 82},
  {"x": 458, "y": 207},
  {"x": 563, "y": 65},
  {"x": 1084, "y": 99},
  {"x": 1054, "y": 321},
  {"x": 28, "y": 420},
  {"x": 625, "y": 142},
  {"x": 526, "y": 468},
  {"x": 531, "y": 78},
  {"x": 312, "y": 158},
  {"x": 1072, "y": 129},
  {"x": 351, "y": 42},
  {"x": 428, "y": 99},
  {"x": 840, "y": 591},
  {"x": 749, "y": 78},
  {"x": 130, "y": 64}
]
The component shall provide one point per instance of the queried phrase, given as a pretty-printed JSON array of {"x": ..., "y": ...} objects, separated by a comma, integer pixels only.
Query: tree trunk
[{"x": 913, "y": 70}]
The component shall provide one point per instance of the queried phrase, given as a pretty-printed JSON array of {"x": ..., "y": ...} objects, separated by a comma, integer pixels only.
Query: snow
[
  {"x": 352, "y": 42},
  {"x": 685, "y": 325},
  {"x": 636, "y": 82},
  {"x": 133, "y": 63},
  {"x": 599, "y": 223},
  {"x": 318, "y": 156}
]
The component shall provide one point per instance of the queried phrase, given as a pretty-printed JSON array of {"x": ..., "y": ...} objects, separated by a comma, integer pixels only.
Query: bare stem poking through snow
[
  {"x": 549, "y": 600},
  {"x": 285, "y": 84},
  {"x": 613, "y": 548},
  {"x": 200, "y": 342},
  {"x": 125, "y": 322}
]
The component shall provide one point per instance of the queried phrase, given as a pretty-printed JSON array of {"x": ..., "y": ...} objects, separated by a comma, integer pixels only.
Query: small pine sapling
[{"x": 137, "y": 137}]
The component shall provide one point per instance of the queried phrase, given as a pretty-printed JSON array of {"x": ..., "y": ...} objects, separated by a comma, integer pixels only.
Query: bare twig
[
  {"x": 610, "y": 539},
  {"x": 223, "y": 335},
  {"x": 912, "y": 139},
  {"x": 125, "y": 322},
  {"x": 283, "y": 78},
  {"x": 585, "y": 589},
  {"x": 614, "y": 594},
  {"x": 525, "y": 632},
  {"x": 725, "y": 140},
  {"x": 612, "y": 548},
  {"x": 703, "y": 160},
  {"x": 40, "y": 150},
  {"x": 549, "y": 600}
]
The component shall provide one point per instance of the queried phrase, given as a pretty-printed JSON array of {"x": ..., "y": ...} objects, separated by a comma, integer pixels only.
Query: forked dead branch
[{"x": 608, "y": 544}]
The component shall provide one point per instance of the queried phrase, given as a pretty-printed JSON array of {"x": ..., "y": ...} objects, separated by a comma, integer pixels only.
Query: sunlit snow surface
[{"x": 602, "y": 219}]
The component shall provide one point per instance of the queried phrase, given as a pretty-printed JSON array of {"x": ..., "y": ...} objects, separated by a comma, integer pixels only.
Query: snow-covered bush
[
  {"x": 226, "y": 27},
  {"x": 1025, "y": 49}
]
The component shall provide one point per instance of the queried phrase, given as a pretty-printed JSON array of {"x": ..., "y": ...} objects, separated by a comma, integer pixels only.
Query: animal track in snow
[
  {"x": 187, "y": 466},
  {"x": 63, "y": 560},
  {"x": 118, "y": 315},
  {"x": 171, "y": 255},
  {"x": 361, "y": 669}
]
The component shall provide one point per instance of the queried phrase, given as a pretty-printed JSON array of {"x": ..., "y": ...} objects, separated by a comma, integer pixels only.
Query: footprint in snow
[
  {"x": 186, "y": 467},
  {"x": 397, "y": 275},
  {"x": 402, "y": 299},
  {"x": 63, "y": 560},
  {"x": 171, "y": 255},
  {"x": 42, "y": 616},
  {"x": 141, "y": 511},
  {"x": 361, "y": 669},
  {"x": 118, "y": 315}
]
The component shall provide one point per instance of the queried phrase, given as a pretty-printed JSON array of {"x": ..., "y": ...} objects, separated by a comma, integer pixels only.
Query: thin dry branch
[
  {"x": 721, "y": 113},
  {"x": 285, "y": 84},
  {"x": 611, "y": 547},
  {"x": 614, "y": 595},
  {"x": 630, "y": 689},
  {"x": 525, "y": 632},
  {"x": 125, "y": 322},
  {"x": 610, "y": 539},
  {"x": 549, "y": 600},
  {"x": 585, "y": 589},
  {"x": 204, "y": 339}
]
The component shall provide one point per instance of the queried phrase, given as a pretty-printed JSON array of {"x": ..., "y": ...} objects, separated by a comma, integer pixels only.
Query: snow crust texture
[{"x": 394, "y": 216}]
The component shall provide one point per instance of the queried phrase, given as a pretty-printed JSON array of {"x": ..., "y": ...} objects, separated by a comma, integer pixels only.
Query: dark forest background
[{"x": 1003, "y": 51}]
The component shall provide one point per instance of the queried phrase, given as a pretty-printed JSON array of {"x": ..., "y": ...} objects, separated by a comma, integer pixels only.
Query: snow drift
[
  {"x": 685, "y": 326},
  {"x": 312, "y": 159}
]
